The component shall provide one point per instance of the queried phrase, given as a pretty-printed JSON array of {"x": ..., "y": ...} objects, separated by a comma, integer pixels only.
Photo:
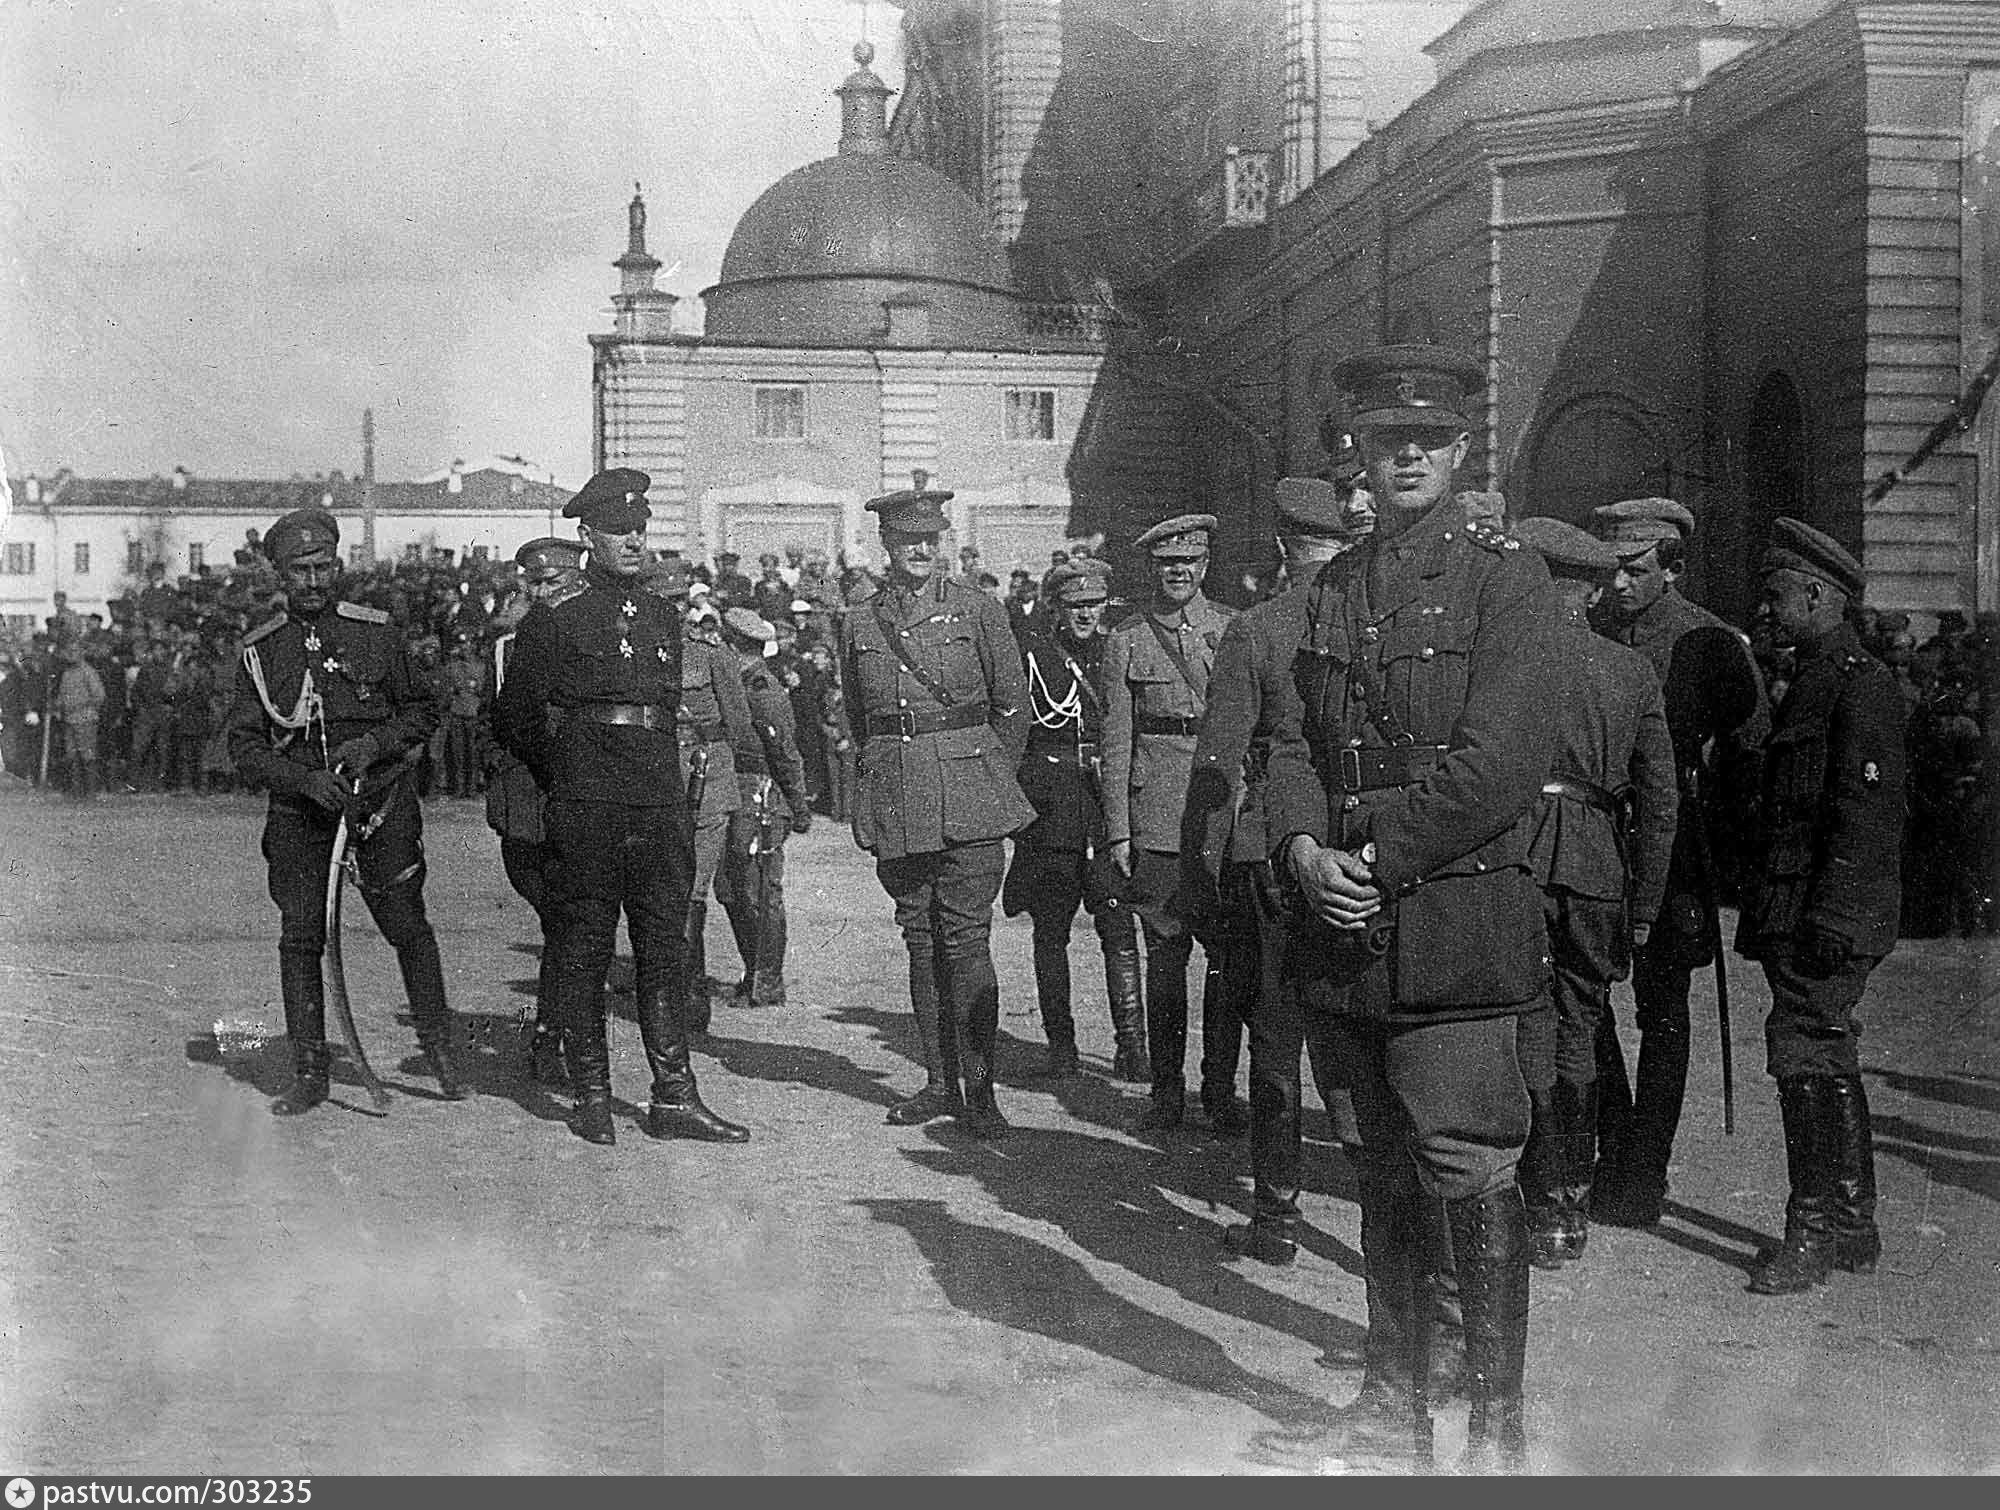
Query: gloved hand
[
  {"x": 1819, "y": 953},
  {"x": 356, "y": 755},
  {"x": 802, "y": 818},
  {"x": 327, "y": 789}
]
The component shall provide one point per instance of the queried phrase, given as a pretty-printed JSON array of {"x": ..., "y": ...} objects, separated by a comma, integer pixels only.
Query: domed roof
[
  {"x": 870, "y": 216},
  {"x": 821, "y": 253}
]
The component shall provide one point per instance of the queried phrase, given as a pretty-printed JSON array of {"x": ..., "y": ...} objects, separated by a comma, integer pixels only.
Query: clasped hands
[
  {"x": 333, "y": 789},
  {"x": 1338, "y": 885}
]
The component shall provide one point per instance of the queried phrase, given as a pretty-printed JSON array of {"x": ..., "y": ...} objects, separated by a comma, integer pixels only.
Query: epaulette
[
  {"x": 1490, "y": 536},
  {"x": 362, "y": 612},
  {"x": 269, "y": 627}
]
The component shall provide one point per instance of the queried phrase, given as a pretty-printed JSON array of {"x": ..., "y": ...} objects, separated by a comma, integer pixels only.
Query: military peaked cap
[
  {"x": 549, "y": 555},
  {"x": 300, "y": 533},
  {"x": 1565, "y": 547},
  {"x": 915, "y": 510},
  {"x": 1797, "y": 546},
  {"x": 613, "y": 501},
  {"x": 1633, "y": 526},
  {"x": 751, "y": 626},
  {"x": 1411, "y": 384},
  {"x": 1312, "y": 506},
  {"x": 1181, "y": 538},
  {"x": 666, "y": 579},
  {"x": 1082, "y": 580}
]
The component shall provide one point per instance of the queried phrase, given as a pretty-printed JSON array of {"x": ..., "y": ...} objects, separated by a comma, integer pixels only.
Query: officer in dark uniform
[
  {"x": 1718, "y": 717},
  {"x": 714, "y": 723},
  {"x": 1156, "y": 678},
  {"x": 771, "y": 780},
  {"x": 1821, "y": 911},
  {"x": 1227, "y": 850},
  {"x": 1059, "y": 860},
  {"x": 933, "y": 684},
  {"x": 328, "y": 712},
  {"x": 1399, "y": 778},
  {"x": 551, "y": 570},
  {"x": 589, "y": 707},
  {"x": 1602, "y": 832}
]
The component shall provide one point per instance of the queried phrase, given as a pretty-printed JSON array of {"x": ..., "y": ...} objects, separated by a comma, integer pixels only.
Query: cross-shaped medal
[
  {"x": 312, "y": 639},
  {"x": 629, "y": 609},
  {"x": 625, "y": 649}
]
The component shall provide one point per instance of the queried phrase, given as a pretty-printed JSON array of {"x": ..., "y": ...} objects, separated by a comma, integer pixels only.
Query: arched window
[
  {"x": 1593, "y": 450},
  {"x": 1777, "y": 469}
]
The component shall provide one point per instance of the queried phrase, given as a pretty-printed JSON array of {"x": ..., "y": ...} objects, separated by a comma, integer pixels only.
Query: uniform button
[
  {"x": 1354, "y": 743},
  {"x": 1479, "y": 865},
  {"x": 1349, "y": 803},
  {"x": 1427, "y": 652},
  {"x": 1447, "y": 534},
  {"x": 902, "y": 702}
]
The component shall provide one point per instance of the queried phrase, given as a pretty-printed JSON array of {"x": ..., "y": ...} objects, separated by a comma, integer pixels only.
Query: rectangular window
[
  {"x": 197, "y": 555},
  {"x": 1030, "y": 413},
  {"x": 357, "y": 557},
  {"x": 781, "y": 413},
  {"x": 82, "y": 560},
  {"x": 21, "y": 624},
  {"x": 135, "y": 556},
  {"x": 19, "y": 559}
]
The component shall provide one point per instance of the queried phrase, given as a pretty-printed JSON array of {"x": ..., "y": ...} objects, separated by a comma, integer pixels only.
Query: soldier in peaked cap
[
  {"x": 1601, "y": 835},
  {"x": 1822, "y": 910},
  {"x": 327, "y": 711},
  {"x": 589, "y": 707},
  {"x": 934, "y": 688},
  {"x": 1718, "y": 716},
  {"x": 1059, "y": 860},
  {"x": 1226, "y": 851},
  {"x": 771, "y": 783},
  {"x": 551, "y": 570},
  {"x": 1398, "y": 776},
  {"x": 1156, "y": 678}
]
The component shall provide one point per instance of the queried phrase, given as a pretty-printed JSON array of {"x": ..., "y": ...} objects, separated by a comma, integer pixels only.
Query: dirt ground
[{"x": 188, "y": 1284}]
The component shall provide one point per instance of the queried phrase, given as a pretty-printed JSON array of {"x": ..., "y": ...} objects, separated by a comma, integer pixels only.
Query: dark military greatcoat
[{"x": 1059, "y": 771}]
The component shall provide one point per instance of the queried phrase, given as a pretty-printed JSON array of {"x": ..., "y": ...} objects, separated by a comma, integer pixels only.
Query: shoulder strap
[
  {"x": 362, "y": 613},
  {"x": 270, "y": 626},
  {"x": 894, "y": 638}
]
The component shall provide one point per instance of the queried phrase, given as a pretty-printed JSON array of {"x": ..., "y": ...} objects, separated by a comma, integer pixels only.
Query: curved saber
[{"x": 336, "y": 971}]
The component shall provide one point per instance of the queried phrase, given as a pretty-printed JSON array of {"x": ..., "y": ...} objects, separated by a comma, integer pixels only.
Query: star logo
[{"x": 20, "y": 1493}]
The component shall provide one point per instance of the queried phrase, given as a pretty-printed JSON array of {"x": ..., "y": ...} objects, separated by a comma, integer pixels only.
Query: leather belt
[
  {"x": 636, "y": 715},
  {"x": 910, "y": 722},
  {"x": 1064, "y": 749},
  {"x": 1586, "y": 792},
  {"x": 705, "y": 734},
  {"x": 1188, "y": 726},
  {"x": 1373, "y": 768}
]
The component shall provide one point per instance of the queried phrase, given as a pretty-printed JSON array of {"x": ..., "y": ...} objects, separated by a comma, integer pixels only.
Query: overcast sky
[{"x": 229, "y": 226}]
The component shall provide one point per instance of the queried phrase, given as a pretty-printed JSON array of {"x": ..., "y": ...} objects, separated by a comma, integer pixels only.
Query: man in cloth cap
[
  {"x": 714, "y": 723},
  {"x": 1718, "y": 716},
  {"x": 1398, "y": 779},
  {"x": 1060, "y": 862},
  {"x": 1226, "y": 850},
  {"x": 551, "y": 570},
  {"x": 1157, "y": 671},
  {"x": 1821, "y": 910},
  {"x": 933, "y": 686},
  {"x": 589, "y": 707},
  {"x": 1602, "y": 833},
  {"x": 771, "y": 782},
  {"x": 328, "y": 716}
]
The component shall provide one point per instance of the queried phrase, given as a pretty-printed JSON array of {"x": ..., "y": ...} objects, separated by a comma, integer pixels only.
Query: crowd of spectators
[{"x": 139, "y": 702}]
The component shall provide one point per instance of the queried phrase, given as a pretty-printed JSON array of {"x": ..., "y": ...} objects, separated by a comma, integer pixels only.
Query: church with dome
[{"x": 866, "y": 325}]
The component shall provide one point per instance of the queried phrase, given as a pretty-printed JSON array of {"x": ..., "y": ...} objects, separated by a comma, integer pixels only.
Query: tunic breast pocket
[
  {"x": 365, "y": 673},
  {"x": 1425, "y": 671},
  {"x": 947, "y": 650}
]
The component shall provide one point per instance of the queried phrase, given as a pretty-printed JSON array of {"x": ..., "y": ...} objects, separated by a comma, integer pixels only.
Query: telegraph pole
[{"x": 368, "y": 487}]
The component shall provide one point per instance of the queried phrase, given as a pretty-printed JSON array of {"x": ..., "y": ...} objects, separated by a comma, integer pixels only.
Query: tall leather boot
[
  {"x": 1228, "y": 988},
  {"x": 694, "y": 967},
  {"x": 1540, "y": 1181},
  {"x": 768, "y": 989},
  {"x": 938, "y": 1044},
  {"x": 1166, "y": 990},
  {"x": 677, "y": 1110},
  {"x": 982, "y": 1116},
  {"x": 305, "y": 1027},
  {"x": 1576, "y": 1116},
  {"x": 1388, "y": 1421},
  {"x": 587, "y": 1046},
  {"x": 1614, "y": 1109},
  {"x": 423, "y": 981},
  {"x": 1806, "y": 1255},
  {"x": 1446, "y": 1344},
  {"x": 1271, "y": 1236},
  {"x": 1128, "y": 1010},
  {"x": 1859, "y": 1242},
  {"x": 1489, "y": 1241},
  {"x": 1052, "y": 996}
]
